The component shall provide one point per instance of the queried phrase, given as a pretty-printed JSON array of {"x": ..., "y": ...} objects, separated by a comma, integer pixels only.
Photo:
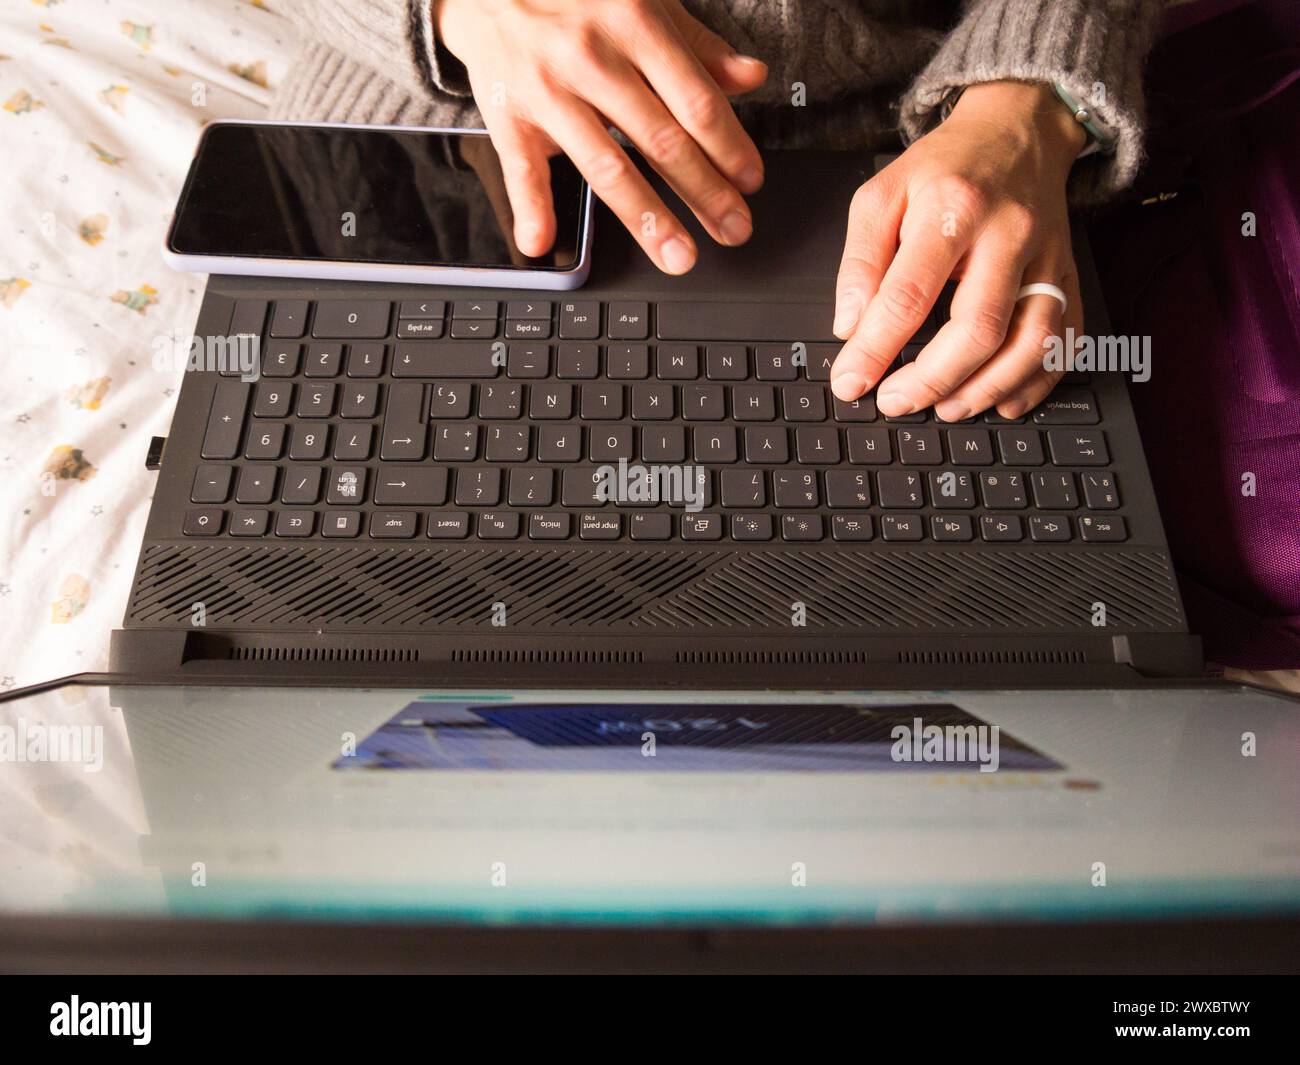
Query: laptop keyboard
[{"x": 496, "y": 420}]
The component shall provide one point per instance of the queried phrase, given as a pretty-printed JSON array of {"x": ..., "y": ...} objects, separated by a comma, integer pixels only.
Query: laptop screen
[{"x": 532, "y": 807}]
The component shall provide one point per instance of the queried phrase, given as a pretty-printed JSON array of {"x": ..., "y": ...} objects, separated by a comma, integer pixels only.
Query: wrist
[{"x": 1028, "y": 109}]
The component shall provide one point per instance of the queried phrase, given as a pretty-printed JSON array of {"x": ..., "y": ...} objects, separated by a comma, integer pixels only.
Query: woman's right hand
[{"x": 550, "y": 76}]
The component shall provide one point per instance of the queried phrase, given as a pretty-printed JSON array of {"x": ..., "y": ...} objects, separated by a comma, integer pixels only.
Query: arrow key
[{"x": 413, "y": 487}]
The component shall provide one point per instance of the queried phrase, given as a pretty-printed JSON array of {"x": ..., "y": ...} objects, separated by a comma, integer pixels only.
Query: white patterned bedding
[{"x": 100, "y": 107}]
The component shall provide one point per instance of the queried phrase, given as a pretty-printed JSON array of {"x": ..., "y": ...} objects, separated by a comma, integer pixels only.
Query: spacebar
[{"x": 745, "y": 321}]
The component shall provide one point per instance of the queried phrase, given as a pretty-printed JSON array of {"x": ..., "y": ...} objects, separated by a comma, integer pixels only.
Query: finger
[
  {"x": 923, "y": 264},
  {"x": 734, "y": 73},
  {"x": 1034, "y": 323},
  {"x": 1030, "y": 394},
  {"x": 869, "y": 246},
  {"x": 633, "y": 108},
  {"x": 579, "y": 134},
  {"x": 688, "y": 91},
  {"x": 977, "y": 326}
]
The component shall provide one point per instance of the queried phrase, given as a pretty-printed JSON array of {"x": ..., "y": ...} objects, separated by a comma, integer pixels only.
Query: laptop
[{"x": 365, "y": 511}]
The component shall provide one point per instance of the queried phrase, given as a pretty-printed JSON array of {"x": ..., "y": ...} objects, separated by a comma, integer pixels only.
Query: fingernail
[
  {"x": 846, "y": 314},
  {"x": 952, "y": 412},
  {"x": 751, "y": 180},
  {"x": 894, "y": 404},
  {"x": 677, "y": 255},
  {"x": 736, "y": 228},
  {"x": 849, "y": 386},
  {"x": 748, "y": 60}
]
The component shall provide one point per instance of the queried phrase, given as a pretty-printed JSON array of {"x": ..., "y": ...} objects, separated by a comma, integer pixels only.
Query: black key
[
  {"x": 580, "y": 320},
  {"x": 919, "y": 447},
  {"x": 316, "y": 400},
  {"x": 498, "y": 525},
  {"x": 353, "y": 443},
  {"x": 1078, "y": 447},
  {"x": 677, "y": 362},
  {"x": 1001, "y": 528},
  {"x": 992, "y": 417},
  {"x": 901, "y": 527},
  {"x": 1003, "y": 490},
  {"x": 577, "y": 361},
  {"x": 715, "y": 444},
  {"x": 775, "y": 362},
  {"x": 726, "y": 362},
  {"x": 249, "y": 522},
  {"x": 899, "y": 489},
  {"x": 803, "y": 403},
  {"x": 650, "y": 525},
  {"x": 473, "y": 328},
  {"x": 265, "y": 440},
  {"x": 1100, "y": 491},
  {"x": 528, "y": 330},
  {"x": 602, "y": 402},
  {"x": 701, "y": 527},
  {"x": 365, "y": 360},
  {"x": 500, "y": 399},
  {"x": 627, "y": 362},
  {"x": 352, "y": 319},
  {"x": 970, "y": 447},
  {"x": 744, "y": 488},
  {"x": 420, "y": 329},
  {"x": 1020, "y": 447},
  {"x": 859, "y": 410},
  {"x": 249, "y": 318},
  {"x": 361, "y": 400},
  {"x": 294, "y": 523},
  {"x": 743, "y": 321},
  {"x": 562, "y": 443},
  {"x": 1068, "y": 406},
  {"x": 290, "y": 319},
  {"x": 868, "y": 447},
  {"x": 951, "y": 490},
  {"x": 551, "y": 525},
  {"x": 652, "y": 402},
  {"x": 456, "y": 443},
  {"x": 551, "y": 403},
  {"x": 423, "y": 309},
  {"x": 476, "y": 309},
  {"x": 301, "y": 484},
  {"x": 629, "y": 320},
  {"x": 703, "y": 403},
  {"x": 751, "y": 527},
  {"x": 951, "y": 528},
  {"x": 478, "y": 488},
  {"x": 1054, "y": 491},
  {"x": 505, "y": 443},
  {"x": 411, "y": 486},
  {"x": 393, "y": 525},
  {"x": 426, "y": 358},
  {"x": 281, "y": 360},
  {"x": 448, "y": 525},
  {"x": 848, "y": 489},
  {"x": 1048, "y": 528},
  {"x": 211, "y": 484},
  {"x": 817, "y": 444},
  {"x": 226, "y": 420},
  {"x": 347, "y": 485},
  {"x": 309, "y": 442},
  {"x": 802, "y": 528},
  {"x": 663, "y": 443},
  {"x": 1103, "y": 529},
  {"x": 204, "y": 521},
  {"x": 792, "y": 488},
  {"x": 766, "y": 444},
  {"x": 404, "y": 433},
  {"x": 601, "y": 526},
  {"x": 578, "y": 487},
  {"x": 609, "y": 443},
  {"x": 753, "y": 403},
  {"x": 531, "y": 488},
  {"x": 272, "y": 400},
  {"x": 256, "y": 484},
  {"x": 853, "y": 528},
  {"x": 323, "y": 360},
  {"x": 340, "y": 523},
  {"x": 531, "y": 361},
  {"x": 529, "y": 310},
  {"x": 450, "y": 401},
  {"x": 820, "y": 359}
]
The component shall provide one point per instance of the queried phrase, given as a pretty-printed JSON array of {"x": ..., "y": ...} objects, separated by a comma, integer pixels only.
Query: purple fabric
[{"x": 1223, "y": 312}]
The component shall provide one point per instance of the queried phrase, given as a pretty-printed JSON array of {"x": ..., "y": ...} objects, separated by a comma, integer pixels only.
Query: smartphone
[{"x": 407, "y": 204}]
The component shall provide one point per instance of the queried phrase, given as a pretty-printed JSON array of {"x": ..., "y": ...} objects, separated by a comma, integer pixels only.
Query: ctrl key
[{"x": 202, "y": 522}]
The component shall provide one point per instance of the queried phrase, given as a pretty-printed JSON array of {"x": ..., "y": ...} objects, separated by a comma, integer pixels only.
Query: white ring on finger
[{"x": 1042, "y": 288}]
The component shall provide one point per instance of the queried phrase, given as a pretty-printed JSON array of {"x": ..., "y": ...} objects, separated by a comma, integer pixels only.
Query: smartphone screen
[{"x": 356, "y": 195}]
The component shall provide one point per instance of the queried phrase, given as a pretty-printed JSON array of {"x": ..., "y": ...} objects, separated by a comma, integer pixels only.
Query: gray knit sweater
[{"x": 843, "y": 73}]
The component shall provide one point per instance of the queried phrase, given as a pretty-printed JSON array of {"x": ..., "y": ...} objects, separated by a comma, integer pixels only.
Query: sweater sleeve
[
  {"x": 1094, "y": 48},
  {"x": 393, "y": 37}
]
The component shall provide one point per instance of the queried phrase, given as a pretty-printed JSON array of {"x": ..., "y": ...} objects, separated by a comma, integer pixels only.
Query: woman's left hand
[{"x": 980, "y": 198}]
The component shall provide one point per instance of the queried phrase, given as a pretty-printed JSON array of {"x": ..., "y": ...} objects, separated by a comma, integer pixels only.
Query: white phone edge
[{"x": 393, "y": 273}]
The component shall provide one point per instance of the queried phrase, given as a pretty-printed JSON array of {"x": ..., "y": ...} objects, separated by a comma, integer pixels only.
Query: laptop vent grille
[
  {"x": 742, "y": 658},
  {"x": 324, "y": 654},
  {"x": 955, "y": 658},
  {"x": 489, "y": 655},
  {"x": 655, "y": 591}
]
